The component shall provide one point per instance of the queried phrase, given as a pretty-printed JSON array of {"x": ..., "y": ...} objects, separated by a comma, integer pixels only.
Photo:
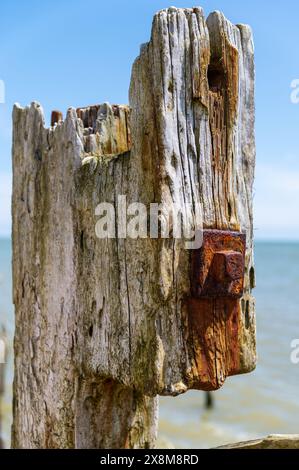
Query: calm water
[{"x": 264, "y": 402}]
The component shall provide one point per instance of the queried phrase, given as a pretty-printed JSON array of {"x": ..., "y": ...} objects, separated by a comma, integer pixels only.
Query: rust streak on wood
[{"x": 56, "y": 116}]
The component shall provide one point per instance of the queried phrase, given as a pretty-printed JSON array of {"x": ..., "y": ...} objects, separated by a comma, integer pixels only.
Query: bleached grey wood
[{"x": 107, "y": 318}]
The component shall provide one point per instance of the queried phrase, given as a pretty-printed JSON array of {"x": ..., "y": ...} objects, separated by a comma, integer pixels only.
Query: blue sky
[{"x": 74, "y": 53}]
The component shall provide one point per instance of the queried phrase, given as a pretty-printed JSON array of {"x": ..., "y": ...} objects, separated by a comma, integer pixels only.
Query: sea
[{"x": 247, "y": 407}]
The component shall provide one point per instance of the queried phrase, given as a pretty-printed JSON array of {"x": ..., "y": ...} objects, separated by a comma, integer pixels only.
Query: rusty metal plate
[{"x": 217, "y": 278}]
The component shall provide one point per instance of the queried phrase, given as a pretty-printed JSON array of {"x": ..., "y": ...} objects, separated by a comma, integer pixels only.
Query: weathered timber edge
[{"x": 274, "y": 441}]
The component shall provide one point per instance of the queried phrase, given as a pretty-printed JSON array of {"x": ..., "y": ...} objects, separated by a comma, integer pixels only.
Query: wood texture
[
  {"x": 195, "y": 126},
  {"x": 275, "y": 441},
  {"x": 2, "y": 378},
  {"x": 60, "y": 305},
  {"x": 103, "y": 325}
]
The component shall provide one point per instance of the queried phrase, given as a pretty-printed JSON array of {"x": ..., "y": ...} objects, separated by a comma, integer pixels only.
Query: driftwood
[
  {"x": 275, "y": 441},
  {"x": 103, "y": 326}
]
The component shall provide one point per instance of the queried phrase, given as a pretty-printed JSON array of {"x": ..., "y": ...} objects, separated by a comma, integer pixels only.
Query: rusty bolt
[
  {"x": 218, "y": 267},
  {"x": 226, "y": 273},
  {"x": 227, "y": 266}
]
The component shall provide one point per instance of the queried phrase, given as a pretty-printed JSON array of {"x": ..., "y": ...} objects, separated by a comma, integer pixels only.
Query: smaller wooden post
[
  {"x": 2, "y": 379},
  {"x": 274, "y": 442}
]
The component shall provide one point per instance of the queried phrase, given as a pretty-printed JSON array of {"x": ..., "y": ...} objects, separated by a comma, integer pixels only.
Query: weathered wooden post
[
  {"x": 2, "y": 376},
  {"x": 104, "y": 326}
]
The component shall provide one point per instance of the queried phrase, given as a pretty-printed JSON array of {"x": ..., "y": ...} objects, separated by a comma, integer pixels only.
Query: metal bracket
[{"x": 214, "y": 311}]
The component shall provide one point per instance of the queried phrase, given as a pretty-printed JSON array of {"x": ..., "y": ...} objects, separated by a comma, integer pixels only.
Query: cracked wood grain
[{"x": 103, "y": 326}]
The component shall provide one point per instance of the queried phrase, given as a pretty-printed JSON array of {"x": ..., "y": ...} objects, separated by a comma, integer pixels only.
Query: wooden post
[
  {"x": 273, "y": 442},
  {"x": 2, "y": 377},
  {"x": 103, "y": 326}
]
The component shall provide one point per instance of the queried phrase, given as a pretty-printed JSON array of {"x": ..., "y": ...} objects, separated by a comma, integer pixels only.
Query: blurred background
[{"x": 71, "y": 53}]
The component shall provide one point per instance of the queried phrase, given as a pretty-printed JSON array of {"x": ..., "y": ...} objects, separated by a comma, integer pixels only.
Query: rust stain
[
  {"x": 231, "y": 55},
  {"x": 56, "y": 116},
  {"x": 223, "y": 79},
  {"x": 200, "y": 86},
  {"x": 214, "y": 334}
]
